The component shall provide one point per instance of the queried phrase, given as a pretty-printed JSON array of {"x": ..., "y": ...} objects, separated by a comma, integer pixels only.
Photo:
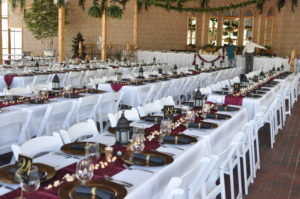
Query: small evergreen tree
[{"x": 75, "y": 46}]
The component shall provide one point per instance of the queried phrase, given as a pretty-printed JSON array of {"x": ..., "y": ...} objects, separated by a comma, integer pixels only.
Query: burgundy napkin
[
  {"x": 116, "y": 86},
  {"x": 8, "y": 80},
  {"x": 234, "y": 100}
]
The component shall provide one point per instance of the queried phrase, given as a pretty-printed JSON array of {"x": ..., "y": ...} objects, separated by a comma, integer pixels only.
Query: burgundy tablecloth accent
[
  {"x": 196, "y": 73},
  {"x": 116, "y": 86},
  {"x": 115, "y": 67},
  {"x": 8, "y": 80},
  {"x": 234, "y": 100}
]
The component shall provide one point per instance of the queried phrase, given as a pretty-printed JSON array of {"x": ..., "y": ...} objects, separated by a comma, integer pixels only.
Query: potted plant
[{"x": 42, "y": 21}]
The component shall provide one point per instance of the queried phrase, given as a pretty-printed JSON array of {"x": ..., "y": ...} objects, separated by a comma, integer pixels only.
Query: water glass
[
  {"x": 137, "y": 144},
  {"x": 166, "y": 127},
  {"x": 92, "y": 150},
  {"x": 84, "y": 170},
  {"x": 33, "y": 183}
]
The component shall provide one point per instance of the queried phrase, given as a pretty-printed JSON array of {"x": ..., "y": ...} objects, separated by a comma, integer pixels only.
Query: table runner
[{"x": 234, "y": 100}]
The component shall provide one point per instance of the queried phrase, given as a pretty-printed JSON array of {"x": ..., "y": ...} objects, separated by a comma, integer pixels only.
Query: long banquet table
[
  {"x": 186, "y": 59},
  {"x": 135, "y": 95},
  {"x": 254, "y": 105},
  {"x": 147, "y": 185}
]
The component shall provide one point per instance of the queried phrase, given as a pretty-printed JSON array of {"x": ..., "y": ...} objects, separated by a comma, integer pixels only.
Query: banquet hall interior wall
[{"x": 159, "y": 29}]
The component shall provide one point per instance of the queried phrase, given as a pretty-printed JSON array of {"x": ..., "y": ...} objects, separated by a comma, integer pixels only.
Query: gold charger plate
[
  {"x": 67, "y": 148},
  {"x": 68, "y": 191},
  {"x": 168, "y": 159},
  {"x": 7, "y": 177},
  {"x": 192, "y": 139}
]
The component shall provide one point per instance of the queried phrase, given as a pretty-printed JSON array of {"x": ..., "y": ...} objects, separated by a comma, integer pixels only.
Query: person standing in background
[
  {"x": 231, "y": 54},
  {"x": 249, "y": 53}
]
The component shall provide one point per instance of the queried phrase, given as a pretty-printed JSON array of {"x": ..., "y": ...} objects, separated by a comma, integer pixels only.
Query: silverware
[
  {"x": 66, "y": 155},
  {"x": 6, "y": 187},
  {"x": 110, "y": 179},
  {"x": 175, "y": 147},
  {"x": 129, "y": 168}
]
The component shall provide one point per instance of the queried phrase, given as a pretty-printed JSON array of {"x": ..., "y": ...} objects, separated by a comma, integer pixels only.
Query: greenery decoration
[
  {"x": 260, "y": 6},
  {"x": 42, "y": 21},
  {"x": 280, "y": 4},
  {"x": 114, "y": 11},
  {"x": 75, "y": 45},
  {"x": 294, "y": 5}
]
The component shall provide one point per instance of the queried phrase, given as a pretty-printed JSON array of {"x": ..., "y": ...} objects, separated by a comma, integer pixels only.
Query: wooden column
[
  {"x": 9, "y": 44},
  {"x": 259, "y": 29},
  {"x": 203, "y": 23},
  {"x": 104, "y": 36},
  {"x": 61, "y": 34},
  {"x": 135, "y": 28},
  {"x": 1, "y": 53}
]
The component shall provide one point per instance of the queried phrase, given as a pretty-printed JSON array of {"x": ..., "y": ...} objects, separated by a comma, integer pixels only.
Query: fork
[
  {"x": 129, "y": 168},
  {"x": 110, "y": 179}
]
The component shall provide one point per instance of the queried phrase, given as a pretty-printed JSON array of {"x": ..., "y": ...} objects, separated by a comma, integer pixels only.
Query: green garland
[{"x": 206, "y": 9}]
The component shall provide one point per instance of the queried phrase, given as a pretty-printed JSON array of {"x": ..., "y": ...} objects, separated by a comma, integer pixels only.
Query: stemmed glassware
[
  {"x": 166, "y": 127},
  {"x": 32, "y": 184},
  {"x": 84, "y": 170},
  {"x": 189, "y": 116},
  {"x": 92, "y": 151}
]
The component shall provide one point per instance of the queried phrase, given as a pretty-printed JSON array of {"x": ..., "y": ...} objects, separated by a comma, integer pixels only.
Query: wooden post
[
  {"x": 61, "y": 33},
  {"x": 292, "y": 60},
  {"x": 104, "y": 36},
  {"x": 202, "y": 40},
  {"x": 135, "y": 29},
  {"x": 9, "y": 44},
  {"x": 259, "y": 29},
  {"x": 128, "y": 52},
  {"x": 1, "y": 53}
]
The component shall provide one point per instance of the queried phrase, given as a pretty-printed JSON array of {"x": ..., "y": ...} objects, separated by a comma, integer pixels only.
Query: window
[
  {"x": 191, "y": 31},
  {"x": 4, "y": 19},
  {"x": 248, "y": 25},
  {"x": 213, "y": 29},
  {"x": 16, "y": 43},
  {"x": 269, "y": 23},
  {"x": 230, "y": 26}
]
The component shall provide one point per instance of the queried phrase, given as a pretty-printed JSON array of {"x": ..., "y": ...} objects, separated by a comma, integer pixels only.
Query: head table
[{"x": 146, "y": 185}]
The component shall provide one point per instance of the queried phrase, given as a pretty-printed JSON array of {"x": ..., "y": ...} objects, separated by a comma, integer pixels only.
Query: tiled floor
[{"x": 279, "y": 176}]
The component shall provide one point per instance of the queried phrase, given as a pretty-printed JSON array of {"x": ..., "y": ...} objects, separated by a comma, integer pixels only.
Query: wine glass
[
  {"x": 165, "y": 127},
  {"x": 92, "y": 150},
  {"x": 84, "y": 170},
  {"x": 189, "y": 116},
  {"x": 137, "y": 144},
  {"x": 32, "y": 184}
]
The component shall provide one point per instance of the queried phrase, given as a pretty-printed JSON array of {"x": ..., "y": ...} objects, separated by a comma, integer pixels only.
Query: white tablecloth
[
  {"x": 254, "y": 105},
  {"x": 134, "y": 95},
  {"x": 186, "y": 59},
  {"x": 148, "y": 186}
]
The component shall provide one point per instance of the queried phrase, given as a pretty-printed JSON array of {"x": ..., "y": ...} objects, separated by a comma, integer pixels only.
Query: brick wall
[{"x": 159, "y": 29}]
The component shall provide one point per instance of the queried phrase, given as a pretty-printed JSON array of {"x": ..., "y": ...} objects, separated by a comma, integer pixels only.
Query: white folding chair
[
  {"x": 13, "y": 125},
  {"x": 172, "y": 185},
  {"x": 38, "y": 145},
  {"x": 86, "y": 108},
  {"x": 167, "y": 101},
  {"x": 41, "y": 79},
  {"x": 109, "y": 103},
  {"x": 90, "y": 74},
  {"x": 56, "y": 117},
  {"x": 131, "y": 115},
  {"x": 19, "y": 91},
  {"x": 74, "y": 79},
  {"x": 78, "y": 131},
  {"x": 150, "y": 108}
]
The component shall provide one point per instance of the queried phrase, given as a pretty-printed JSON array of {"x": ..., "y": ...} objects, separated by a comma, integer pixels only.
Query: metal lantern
[
  {"x": 175, "y": 68},
  {"x": 198, "y": 99},
  {"x": 273, "y": 69},
  {"x": 196, "y": 67},
  {"x": 154, "y": 60},
  {"x": 36, "y": 66},
  {"x": 202, "y": 64},
  {"x": 221, "y": 63},
  {"x": 141, "y": 72},
  {"x": 32, "y": 62},
  {"x": 282, "y": 67},
  {"x": 213, "y": 64},
  {"x": 122, "y": 131},
  {"x": 160, "y": 71},
  {"x": 55, "y": 82}
]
